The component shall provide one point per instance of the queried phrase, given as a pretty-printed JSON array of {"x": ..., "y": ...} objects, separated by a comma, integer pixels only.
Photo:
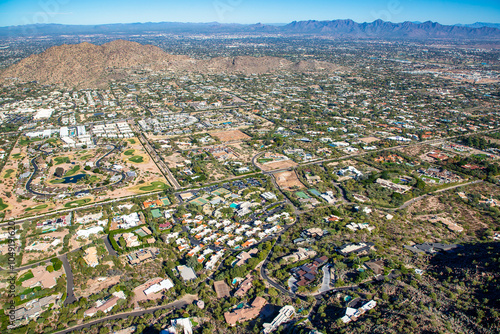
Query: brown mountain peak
[{"x": 86, "y": 65}]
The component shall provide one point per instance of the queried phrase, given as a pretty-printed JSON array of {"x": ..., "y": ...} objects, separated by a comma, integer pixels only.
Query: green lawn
[
  {"x": 94, "y": 179},
  {"x": 481, "y": 156},
  {"x": 30, "y": 290},
  {"x": 61, "y": 160},
  {"x": 157, "y": 185},
  {"x": 72, "y": 171},
  {"x": 8, "y": 173},
  {"x": 129, "y": 152},
  {"x": 56, "y": 181},
  {"x": 3, "y": 206},
  {"x": 16, "y": 156},
  {"x": 131, "y": 141},
  {"x": 25, "y": 141},
  {"x": 263, "y": 161},
  {"x": 137, "y": 159},
  {"x": 86, "y": 157},
  {"x": 38, "y": 207},
  {"x": 78, "y": 202},
  {"x": 26, "y": 277}
]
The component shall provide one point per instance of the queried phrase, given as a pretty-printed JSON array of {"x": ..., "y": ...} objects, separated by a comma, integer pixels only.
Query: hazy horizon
[
  {"x": 238, "y": 23},
  {"x": 93, "y": 12}
]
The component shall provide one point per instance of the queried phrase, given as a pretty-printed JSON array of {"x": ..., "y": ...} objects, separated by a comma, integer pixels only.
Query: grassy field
[
  {"x": 94, "y": 179},
  {"x": 25, "y": 141},
  {"x": 136, "y": 159},
  {"x": 16, "y": 156},
  {"x": 3, "y": 206},
  {"x": 263, "y": 161},
  {"x": 157, "y": 185},
  {"x": 86, "y": 157},
  {"x": 78, "y": 202},
  {"x": 61, "y": 160},
  {"x": 72, "y": 171},
  {"x": 129, "y": 152},
  {"x": 8, "y": 173},
  {"x": 37, "y": 208},
  {"x": 131, "y": 141},
  {"x": 25, "y": 277}
]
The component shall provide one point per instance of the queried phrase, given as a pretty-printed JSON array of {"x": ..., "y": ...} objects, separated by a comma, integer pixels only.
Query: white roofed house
[
  {"x": 43, "y": 114},
  {"x": 86, "y": 233},
  {"x": 166, "y": 284}
]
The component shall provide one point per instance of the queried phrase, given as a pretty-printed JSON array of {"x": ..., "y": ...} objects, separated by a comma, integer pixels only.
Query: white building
[
  {"x": 166, "y": 284},
  {"x": 286, "y": 313},
  {"x": 89, "y": 231},
  {"x": 43, "y": 114},
  {"x": 268, "y": 196},
  {"x": 184, "y": 324}
]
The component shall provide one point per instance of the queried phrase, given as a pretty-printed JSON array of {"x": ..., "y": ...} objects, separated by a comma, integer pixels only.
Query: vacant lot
[
  {"x": 232, "y": 135},
  {"x": 278, "y": 165},
  {"x": 288, "y": 180},
  {"x": 96, "y": 285},
  {"x": 369, "y": 140}
]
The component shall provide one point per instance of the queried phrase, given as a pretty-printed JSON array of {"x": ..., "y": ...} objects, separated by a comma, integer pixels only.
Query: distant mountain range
[
  {"x": 337, "y": 28},
  {"x": 87, "y": 65},
  {"x": 480, "y": 25}
]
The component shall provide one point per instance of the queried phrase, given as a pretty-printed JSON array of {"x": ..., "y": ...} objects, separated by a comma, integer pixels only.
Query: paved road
[
  {"x": 263, "y": 274},
  {"x": 325, "y": 285},
  {"x": 110, "y": 248},
  {"x": 416, "y": 199},
  {"x": 106, "y": 242},
  {"x": 295, "y": 210},
  {"x": 120, "y": 199},
  {"x": 162, "y": 166},
  {"x": 254, "y": 159},
  {"x": 266, "y": 173},
  {"x": 187, "y": 300},
  {"x": 70, "y": 294}
]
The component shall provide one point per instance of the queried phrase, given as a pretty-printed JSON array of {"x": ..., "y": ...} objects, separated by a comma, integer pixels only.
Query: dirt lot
[
  {"x": 441, "y": 218},
  {"x": 416, "y": 150},
  {"x": 215, "y": 174},
  {"x": 430, "y": 203},
  {"x": 174, "y": 159},
  {"x": 140, "y": 296},
  {"x": 287, "y": 180},
  {"x": 232, "y": 135},
  {"x": 449, "y": 204},
  {"x": 493, "y": 140},
  {"x": 27, "y": 257},
  {"x": 95, "y": 286},
  {"x": 245, "y": 152},
  {"x": 369, "y": 140},
  {"x": 74, "y": 243},
  {"x": 277, "y": 165}
]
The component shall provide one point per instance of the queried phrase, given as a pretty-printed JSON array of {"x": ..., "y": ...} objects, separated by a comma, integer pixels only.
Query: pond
[{"x": 73, "y": 179}]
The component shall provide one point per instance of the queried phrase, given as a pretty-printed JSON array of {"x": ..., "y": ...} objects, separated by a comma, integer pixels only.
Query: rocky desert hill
[{"x": 87, "y": 65}]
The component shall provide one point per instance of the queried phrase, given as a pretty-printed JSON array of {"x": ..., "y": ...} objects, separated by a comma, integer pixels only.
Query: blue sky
[{"x": 17, "y": 12}]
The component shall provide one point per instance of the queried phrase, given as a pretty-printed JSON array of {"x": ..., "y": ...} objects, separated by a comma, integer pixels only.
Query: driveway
[
  {"x": 70, "y": 294},
  {"x": 325, "y": 285}
]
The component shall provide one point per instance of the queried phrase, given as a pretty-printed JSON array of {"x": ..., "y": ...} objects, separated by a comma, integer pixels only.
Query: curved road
[
  {"x": 416, "y": 199},
  {"x": 70, "y": 294},
  {"x": 186, "y": 300}
]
